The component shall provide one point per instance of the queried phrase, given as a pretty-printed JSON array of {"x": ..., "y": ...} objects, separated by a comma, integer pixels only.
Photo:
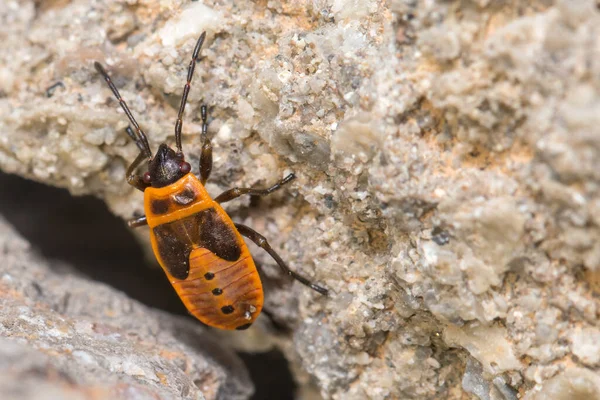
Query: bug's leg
[
  {"x": 137, "y": 222},
  {"x": 132, "y": 178},
  {"x": 237, "y": 192},
  {"x": 206, "y": 155},
  {"x": 260, "y": 241}
]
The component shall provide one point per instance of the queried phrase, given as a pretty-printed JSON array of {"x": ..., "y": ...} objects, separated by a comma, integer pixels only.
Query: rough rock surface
[
  {"x": 63, "y": 337},
  {"x": 446, "y": 152}
]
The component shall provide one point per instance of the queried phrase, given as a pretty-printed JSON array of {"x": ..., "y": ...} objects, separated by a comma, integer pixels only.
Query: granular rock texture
[
  {"x": 63, "y": 337},
  {"x": 447, "y": 161}
]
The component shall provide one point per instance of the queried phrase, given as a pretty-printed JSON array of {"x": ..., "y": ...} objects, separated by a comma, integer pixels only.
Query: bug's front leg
[
  {"x": 237, "y": 192},
  {"x": 261, "y": 242},
  {"x": 132, "y": 177}
]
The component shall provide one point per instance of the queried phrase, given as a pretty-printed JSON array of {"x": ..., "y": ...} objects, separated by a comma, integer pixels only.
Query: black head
[{"x": 166, "y": 167}]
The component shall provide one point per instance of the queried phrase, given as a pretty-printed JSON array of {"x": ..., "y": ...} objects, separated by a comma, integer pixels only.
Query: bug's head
[{"x": 166, "y": 167}]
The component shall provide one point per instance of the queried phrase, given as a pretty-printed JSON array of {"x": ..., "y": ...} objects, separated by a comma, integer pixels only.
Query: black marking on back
[
  {"x": 227, "y": 309},
  {"x": 185, "y": 197},
  {"x": 217, "y": 291},
  {"x": 175, "y": 241},
  {"x": 243, "y": 327},
  {"x": 159, "y": 206},
  {"x": 206, "y": 229},
  {"x": 217, "y": 236}
]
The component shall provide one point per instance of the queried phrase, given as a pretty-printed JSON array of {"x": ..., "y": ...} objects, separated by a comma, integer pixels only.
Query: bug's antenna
[
  {"x": 140, "y": 133},
  {"x": 186, "y": 90}
]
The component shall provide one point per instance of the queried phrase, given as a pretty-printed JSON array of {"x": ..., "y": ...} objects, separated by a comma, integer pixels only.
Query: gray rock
[
  {"x": 62, "y": 336},
  {"x": 473, "y": 381},
  {"x": 447, "y": 160}
]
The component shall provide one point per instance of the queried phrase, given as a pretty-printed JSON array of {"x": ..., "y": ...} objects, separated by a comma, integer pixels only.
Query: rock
[
  {"x": 573, "y": 384},
  {"x": 474, "y": 382},
  {"x": 487, "y": 344},
  {"x": 63, "y": 336},
  {"x": 446, "y": 155},
  {"x": 586, "y": 345}
]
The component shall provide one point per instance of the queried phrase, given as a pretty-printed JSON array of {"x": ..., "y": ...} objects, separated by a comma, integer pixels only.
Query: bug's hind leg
[
  {"x": 260, "y": 241},
  {"x": 237, "y": 192},
  {"x": 132, "y": 177},
  {"x": 206, "y": 155}
]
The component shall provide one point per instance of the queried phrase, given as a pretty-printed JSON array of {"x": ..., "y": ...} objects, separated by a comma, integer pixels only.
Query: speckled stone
[{"x": 446, "y": 153}]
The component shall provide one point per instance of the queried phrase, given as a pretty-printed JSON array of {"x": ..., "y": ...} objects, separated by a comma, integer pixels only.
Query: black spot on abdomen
[{"x": 227, "y": 309}]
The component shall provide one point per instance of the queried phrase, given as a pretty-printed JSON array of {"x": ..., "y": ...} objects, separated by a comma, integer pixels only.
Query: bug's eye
[
  {"x": 147, "y": 178},
  {"x": 185, "y": 167}
]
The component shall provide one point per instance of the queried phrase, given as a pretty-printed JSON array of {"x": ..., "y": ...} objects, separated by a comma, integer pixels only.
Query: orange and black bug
[{"x": 200, "y": 249}]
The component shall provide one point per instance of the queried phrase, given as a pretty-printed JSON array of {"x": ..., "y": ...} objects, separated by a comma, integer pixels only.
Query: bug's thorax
[{"x": 182, "y": 198}]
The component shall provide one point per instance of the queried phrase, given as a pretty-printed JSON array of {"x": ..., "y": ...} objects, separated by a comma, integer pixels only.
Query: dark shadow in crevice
[
  {"x": 82, "y": 232},
  {"x": 271, "y": 375}
]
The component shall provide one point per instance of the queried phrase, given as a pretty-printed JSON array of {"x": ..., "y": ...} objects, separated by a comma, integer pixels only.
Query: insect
[{"x": 199, "y": 247}]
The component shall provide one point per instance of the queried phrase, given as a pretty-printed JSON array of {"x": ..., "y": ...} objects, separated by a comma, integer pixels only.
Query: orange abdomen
[{"x": 220, "y": 293}]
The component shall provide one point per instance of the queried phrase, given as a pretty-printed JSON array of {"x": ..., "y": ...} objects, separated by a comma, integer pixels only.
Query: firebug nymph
[{"x": 197, "y": 244}]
